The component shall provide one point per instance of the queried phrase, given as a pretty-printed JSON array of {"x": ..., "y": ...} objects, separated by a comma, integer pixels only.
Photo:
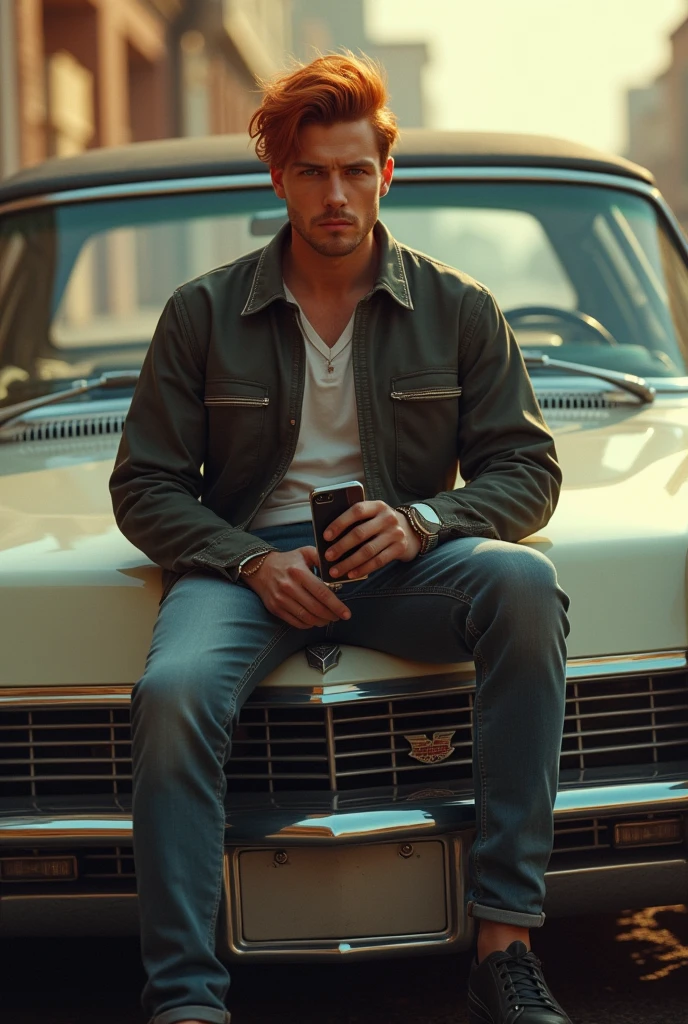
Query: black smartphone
[{"x": 328, "y": 504}]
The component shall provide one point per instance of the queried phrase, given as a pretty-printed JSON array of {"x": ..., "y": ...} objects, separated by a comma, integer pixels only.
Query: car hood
[{"x": 78, "y": 602}]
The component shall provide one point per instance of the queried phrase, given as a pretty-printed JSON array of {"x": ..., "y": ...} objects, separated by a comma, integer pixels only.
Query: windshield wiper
[
  {"x": 636, "y": 385},
  {"x": 111, "y": 379}
]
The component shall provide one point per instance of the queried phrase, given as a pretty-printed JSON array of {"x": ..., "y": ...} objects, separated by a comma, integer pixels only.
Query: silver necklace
[{"x": 328, "y": 359}]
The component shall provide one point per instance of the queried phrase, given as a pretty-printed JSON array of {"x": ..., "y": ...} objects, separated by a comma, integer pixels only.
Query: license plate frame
[{"x": 310, "y": 895}]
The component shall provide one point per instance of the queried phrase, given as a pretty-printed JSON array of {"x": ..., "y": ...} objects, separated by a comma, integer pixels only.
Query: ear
[
  {"x": 276, "y": 176},
  {"x": 387, "y": 174}
]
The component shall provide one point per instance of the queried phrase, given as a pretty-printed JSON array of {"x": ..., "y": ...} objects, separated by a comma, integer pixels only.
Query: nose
[{"x": 335, "y": 195}]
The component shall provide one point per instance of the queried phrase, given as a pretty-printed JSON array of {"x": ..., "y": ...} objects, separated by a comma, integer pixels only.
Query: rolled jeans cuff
[
  {"x": 504, "y": 916},
  {"x": 208, "y": 1014}
]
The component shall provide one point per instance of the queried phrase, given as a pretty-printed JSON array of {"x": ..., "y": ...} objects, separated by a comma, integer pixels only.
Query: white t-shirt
[{"x": 328, "y": 450}]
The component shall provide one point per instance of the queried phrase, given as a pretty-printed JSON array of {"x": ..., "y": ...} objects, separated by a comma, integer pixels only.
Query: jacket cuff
[
  {"x": 459, "y": 519},
  {"x": 225, "y": 554}
]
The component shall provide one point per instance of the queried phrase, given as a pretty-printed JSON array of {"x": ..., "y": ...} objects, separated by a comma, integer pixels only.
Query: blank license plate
[{"x": 342, "y": 893}]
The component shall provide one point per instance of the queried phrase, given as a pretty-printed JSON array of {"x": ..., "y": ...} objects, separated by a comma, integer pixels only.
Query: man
[{"x": 297, "y": 367}]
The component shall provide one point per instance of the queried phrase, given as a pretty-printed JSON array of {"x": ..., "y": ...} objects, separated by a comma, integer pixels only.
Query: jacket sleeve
[
  {"x": 157, "y": 479},
  {"x": 506, "y": 453}
]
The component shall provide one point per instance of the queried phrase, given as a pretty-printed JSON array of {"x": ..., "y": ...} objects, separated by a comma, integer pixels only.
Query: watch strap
[{"x": 428, "y": 538}]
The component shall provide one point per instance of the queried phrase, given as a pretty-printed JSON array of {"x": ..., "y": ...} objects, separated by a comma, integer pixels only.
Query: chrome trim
[
  {"x": 322, "y": 692},
  {"x": 636, "y": 798},
  {"x": 651, "y": 663},
  {"x": 134, "y": 189},
  {"x": 258, "y": 179},
  {"x": 607, "y": 868},
  {"x": 610, "y": 888},
  {"x": 69, "y": 896},
  {"x": 256, "y": 824},
  {"x": 96, "y": 696},
  {"x": 554, "y": 175},
  {"x": 82, "y": 828}
]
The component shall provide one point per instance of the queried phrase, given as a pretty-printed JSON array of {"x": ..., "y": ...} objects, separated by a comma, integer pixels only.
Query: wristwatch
[{"x": 425, "y": 522}]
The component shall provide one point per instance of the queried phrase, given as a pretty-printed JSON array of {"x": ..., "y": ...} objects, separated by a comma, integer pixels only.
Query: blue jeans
[{"x": 496, "y": 603}]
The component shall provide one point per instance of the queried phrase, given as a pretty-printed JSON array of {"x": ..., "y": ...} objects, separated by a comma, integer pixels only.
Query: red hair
[{"x": 336, "y": 87}]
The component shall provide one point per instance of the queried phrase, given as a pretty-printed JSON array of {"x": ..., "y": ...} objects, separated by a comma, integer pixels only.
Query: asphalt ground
[{"x": 625, "y": 969}]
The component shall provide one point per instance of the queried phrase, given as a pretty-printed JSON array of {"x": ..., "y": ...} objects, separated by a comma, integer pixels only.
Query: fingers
[
  {"x": 306, "y": 600},
  {"x": 360, "y": 510},
  {"x": 289, "y": 589},
  {"x": 363, "y": 531},
  {"x": 298, "y": 615},
  {"x": 381, "y": 539},
  {"x": 326, "y": 597}
]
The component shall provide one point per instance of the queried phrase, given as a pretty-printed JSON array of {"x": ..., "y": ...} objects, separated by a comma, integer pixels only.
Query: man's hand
[
  {"x": 385, "y": 534},
  {"x": 287, "y": 587}
]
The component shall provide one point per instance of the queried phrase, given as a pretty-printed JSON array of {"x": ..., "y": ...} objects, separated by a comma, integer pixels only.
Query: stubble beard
[{"x": 335, "y": 246}]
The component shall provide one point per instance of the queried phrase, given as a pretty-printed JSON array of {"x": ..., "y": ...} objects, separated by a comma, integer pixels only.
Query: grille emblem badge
[
  {"x": 323, "y": 656},
  {"x": 432, "y": 751}
]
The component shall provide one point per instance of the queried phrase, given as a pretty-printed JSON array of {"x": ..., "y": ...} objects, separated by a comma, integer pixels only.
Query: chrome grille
[
  {"x": 111, "y": 862},
  {"x": 613, "y": 721},
  {"x": 582, "y": 835},
  {"x": 633, "y": 720},
  {"x": 65, "y": 750}
]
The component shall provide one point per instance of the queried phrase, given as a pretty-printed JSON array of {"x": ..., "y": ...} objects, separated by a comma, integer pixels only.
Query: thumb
[{"x": 310, "y": 555}]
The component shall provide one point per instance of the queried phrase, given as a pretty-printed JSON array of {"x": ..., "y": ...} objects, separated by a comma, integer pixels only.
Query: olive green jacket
[{"x": 439, "y": 382}]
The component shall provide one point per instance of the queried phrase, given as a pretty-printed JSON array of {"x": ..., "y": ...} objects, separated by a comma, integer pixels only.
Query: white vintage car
[{"x": 352, "y": 767}]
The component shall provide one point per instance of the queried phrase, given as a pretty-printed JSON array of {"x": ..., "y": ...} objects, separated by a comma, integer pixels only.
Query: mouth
[{"x": 335, "y": 224}]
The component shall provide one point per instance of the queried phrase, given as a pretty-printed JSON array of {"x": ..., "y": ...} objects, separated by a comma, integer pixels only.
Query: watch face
[{"x": 427, "y": 513}]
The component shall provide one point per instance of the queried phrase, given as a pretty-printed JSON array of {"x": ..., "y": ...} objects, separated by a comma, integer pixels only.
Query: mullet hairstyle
[{"x": 331, "y": 89}]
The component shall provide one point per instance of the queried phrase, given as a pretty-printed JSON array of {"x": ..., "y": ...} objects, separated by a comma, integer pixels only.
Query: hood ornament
[
  {"x": 432, "y": 751},
  {"x": 323, "y": 656}
]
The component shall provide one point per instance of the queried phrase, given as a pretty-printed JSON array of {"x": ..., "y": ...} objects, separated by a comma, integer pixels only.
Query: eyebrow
[{"x": 366, "y": 160}]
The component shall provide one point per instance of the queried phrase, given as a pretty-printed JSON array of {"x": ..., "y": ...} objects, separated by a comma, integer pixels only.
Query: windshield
[{"x": 584, "y": 274}]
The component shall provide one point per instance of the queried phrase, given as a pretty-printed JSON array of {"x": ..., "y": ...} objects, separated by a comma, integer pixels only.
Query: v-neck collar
[{"x": 314, "y": 338}]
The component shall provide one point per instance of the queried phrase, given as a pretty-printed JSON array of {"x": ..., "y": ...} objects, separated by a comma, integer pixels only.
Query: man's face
[{"x": 333, "y": 184}]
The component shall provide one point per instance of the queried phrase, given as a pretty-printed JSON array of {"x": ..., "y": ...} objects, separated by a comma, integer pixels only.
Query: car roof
[{"x": 233, "y": 154}]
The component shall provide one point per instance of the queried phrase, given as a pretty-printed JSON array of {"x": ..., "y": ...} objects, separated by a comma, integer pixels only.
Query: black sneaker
[{"x": 508, "y": 987}]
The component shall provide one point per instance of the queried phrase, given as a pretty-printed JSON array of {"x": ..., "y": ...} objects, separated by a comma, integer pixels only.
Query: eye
[
  {"x": 357, "y": 171},
  {"x": 310, "y": 172}
]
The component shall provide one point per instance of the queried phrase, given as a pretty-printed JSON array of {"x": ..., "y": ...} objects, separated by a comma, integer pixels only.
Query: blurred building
[
  {"x": 658, "y": 126},
  {"x": 320, "y": 26},
  {"x": 105, "y": 72},
  {"x": 76, "y": 74}
]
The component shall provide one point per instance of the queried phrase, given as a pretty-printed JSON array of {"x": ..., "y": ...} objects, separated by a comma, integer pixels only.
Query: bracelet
[
  {"x": 408, "y": 516},
  {"x": 257, "y": 560}
]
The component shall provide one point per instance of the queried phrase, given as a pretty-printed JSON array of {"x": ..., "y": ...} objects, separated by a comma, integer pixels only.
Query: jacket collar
[{"x": 267, "y": 279}]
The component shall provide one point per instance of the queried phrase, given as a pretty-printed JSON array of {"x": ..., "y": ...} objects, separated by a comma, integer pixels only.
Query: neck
[{"x": 306, "y": 270}]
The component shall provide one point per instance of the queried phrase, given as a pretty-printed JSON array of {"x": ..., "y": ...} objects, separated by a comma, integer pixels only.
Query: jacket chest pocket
[
  {"x": 426, "y": 422},
  {"x": 236, "y": 422}
]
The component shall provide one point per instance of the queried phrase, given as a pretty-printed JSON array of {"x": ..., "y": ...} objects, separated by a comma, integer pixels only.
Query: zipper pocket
[
  {"x": 426, "y": 394},
  {"x": 244, "y": 400}
]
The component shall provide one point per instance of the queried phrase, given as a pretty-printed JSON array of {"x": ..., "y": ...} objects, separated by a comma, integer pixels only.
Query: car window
[
  {"x": 587, "y": 274},
  {"x": 507, "y": 250}
]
